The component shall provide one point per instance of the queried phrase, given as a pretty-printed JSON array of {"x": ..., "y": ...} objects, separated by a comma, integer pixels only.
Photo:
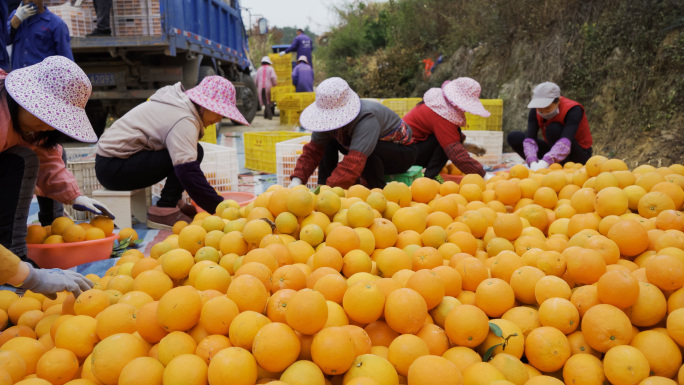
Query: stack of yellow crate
[
  {"x": 291, "y": 106},
  {"x": 283, "y": 68}
]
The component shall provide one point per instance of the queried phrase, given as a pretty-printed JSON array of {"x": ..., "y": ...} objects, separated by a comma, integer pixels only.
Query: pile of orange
[
  {"x": 574, "y": 275},
  {"x": 65, "y": 230}
]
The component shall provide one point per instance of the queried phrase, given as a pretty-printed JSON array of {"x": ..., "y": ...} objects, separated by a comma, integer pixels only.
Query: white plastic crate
[
  {"x": 287, "y": 153},
  {"x": 220, "y": 166},
  {"x": 492, "y": 141},
  {"x": 81, "y": 163}
]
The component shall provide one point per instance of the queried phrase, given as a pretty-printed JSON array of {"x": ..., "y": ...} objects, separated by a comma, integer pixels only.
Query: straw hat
[
  {"x": 55, "y": 91},
  {"x": 336, "y": 106},
  {"x": 304, "y": 59},
  {"x": 217, "y": 94},
  {"x": 464, "y": 93}
]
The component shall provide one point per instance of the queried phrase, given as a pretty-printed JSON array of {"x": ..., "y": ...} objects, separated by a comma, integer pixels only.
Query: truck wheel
[
  {"x": 203, "y": 72},
  {"x": 97, "y": 115},
  {"x": 249, "y": 98}
]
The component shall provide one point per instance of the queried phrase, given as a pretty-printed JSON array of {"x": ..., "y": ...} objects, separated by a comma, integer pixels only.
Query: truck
[{"x": 155, "y": 43}]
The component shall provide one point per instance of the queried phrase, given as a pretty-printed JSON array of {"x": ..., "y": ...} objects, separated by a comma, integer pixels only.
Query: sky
[{"x": 316, "y": 14}]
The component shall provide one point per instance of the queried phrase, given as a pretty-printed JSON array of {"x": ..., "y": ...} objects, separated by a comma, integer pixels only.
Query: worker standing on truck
[
  {"x": 36, "y": 104},
  {"x": 102, "y": 23},
  {"x": 36, "y": 33},
  {"x": 303, "y": 75},
  {"x": 160, "y": 139},
  {"x": 373, "y": 139},
  {"x": 301, "y": 45},
  {"x": 436, "y": 123},
  {"x": 564, "y": 127},
  {"x": 266, "y": 78}
]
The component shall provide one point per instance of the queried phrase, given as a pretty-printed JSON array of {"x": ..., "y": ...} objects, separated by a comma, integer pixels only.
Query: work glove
[
  {"x": 51, "y": 281},
  {"x": 24, "y": 11},
  {"x": 294, "y": 182},
  {"x": 474, "y": 148},
  {"x": 281, "y": 53},
  {"x": 83, "y": 203},
  {"x": 535, "y": 166}
]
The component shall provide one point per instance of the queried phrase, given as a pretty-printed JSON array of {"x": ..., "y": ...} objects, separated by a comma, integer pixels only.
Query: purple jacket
[
  {"x": 301, "y": 44},
  {"x": 303, "y": 77}
]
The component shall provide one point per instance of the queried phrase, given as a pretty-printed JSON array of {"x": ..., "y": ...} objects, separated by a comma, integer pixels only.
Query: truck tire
[
  {"x": 97, "y": 115},
  {"x": 249, "y": 98},
  {"x": 203, "y": 72}
]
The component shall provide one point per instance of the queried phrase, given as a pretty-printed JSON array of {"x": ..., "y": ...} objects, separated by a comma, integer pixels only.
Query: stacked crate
[
  {"x": 291, "y": 106},
  {"x": 79, "y": 20},
  {"x": 283, "y": 68},
  {"x": 136, "y": 18},
  {"x": 401, "y": 105},
  {"x": 493, "y": 123}
]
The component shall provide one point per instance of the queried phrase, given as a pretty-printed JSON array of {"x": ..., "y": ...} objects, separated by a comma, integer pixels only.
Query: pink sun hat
[
  {"x": 55, "y": 91},
  {"x": 464, "y": 93},
  {"x": 435, "y": 100},
  {"x": 217, "y": 94},
  {"x": 336, "y": 106}
]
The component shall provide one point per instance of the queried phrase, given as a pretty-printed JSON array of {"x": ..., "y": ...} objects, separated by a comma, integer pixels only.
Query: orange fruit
[
  {"x": 467, "y": 325},
  {"x": 665, "y": 271},
  {"x": 307, "y": 311},
  {"x": 509, "y": 330},
  {"x": 275, "y": 347},
  {"x": 232, "y": 365},
  {"x": 650, "y": 308},
  {"x": 405, "y": 310},
  {"x": 372, "y": 366},
  {"x": 364, "y": 302},
  {"x": 605, "y": 326},
  {"x": 547, "y": 348},
  {"x": 429, "y": 285},
  {"x": 421, "y": 371},
  {"x": 618, "y": 288},
  {"x": 630, "y": 237},
  {"x": 653, "y": 203},
  {"x": 624, "y": 365},
  {"x": 559, "y": 313},
  {"x": 113, "y": 353},
  {"x": 179, "y": 309},
  {"x": 663, "y": 354},
  {"x": 494, "y": 296},
  {"x": 74, "y": 233},
  {"x": 333, "y": 350}
]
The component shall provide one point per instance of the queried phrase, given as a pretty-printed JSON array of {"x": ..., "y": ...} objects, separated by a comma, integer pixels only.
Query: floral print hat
[
  {"x": 336, "y": 106},
  {"x": 55, "y": 91},
  {"x": 464, "y": 93},
  {"x": 217, "y": 94},
  {"x": 434, "y": 99}
]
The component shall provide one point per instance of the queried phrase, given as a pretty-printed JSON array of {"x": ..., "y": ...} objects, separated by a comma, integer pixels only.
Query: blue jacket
[
  {"x": 4, "y": 56},
  {"x": 303, "y": 77},
  {"x": 301, "y": 44},
  {"x": 38, "y": 37}
]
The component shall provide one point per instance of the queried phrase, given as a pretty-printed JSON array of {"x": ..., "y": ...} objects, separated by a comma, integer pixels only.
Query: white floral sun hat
[
  {"x": 464, "y": 93},
  {"x": 55, "y": 91},
  {"x": 336, "y": 105},
  {"x": 217, "y": 94},
  {"x": 435, "y": 100}
]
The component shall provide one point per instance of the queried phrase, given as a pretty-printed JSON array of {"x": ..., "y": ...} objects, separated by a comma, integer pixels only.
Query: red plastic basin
[{"x": 66, "y": 255}]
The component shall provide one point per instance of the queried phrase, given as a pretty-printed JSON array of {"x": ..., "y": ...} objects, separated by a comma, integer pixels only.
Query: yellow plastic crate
[
  {"x": 285, "y": 81},
  {"x": 289, "y": 117},
  {"x": 260, "y": 152},
  {"x": 493, "y": 123},
  {"x": 283, "y": 72},
  {"x": 209, "y": 134},
  {"x": 278, "y": 91},
  {"x": 401, "y": 105},
  {"x": 297, "y": 101},
  {"x": 277, "y": 59}
]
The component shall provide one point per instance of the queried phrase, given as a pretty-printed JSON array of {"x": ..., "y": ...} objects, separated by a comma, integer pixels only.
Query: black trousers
[
  {"x": 431, "y": 156},
  {"x": 142, "y": 170},
  {"x": 102, "y": 14},
  {"x": 387, "y": 158},
  {"x": 553, "y": 134},
  {"x": 18, "y": 174}
]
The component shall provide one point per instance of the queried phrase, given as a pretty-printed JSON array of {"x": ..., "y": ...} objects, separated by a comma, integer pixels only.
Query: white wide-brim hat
[
  {"x": 266, "y": 59},
  {"x": 55, "y": 91},
  {"x": 336, "y": 106},
  {"x": 304, "y": 59},
  {"x": 464, "y": 93},
  {"x": 435, "y": 100},
  {"x": 217, "y": 94}
]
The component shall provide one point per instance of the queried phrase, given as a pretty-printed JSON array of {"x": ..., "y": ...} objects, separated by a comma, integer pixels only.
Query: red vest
[{"x": 583, "y": 135}]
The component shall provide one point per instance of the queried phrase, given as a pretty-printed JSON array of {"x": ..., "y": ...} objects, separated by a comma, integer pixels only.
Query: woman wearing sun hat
[
  {"x": 564, "y": 127},
  {"x": 36, "y": 104},
  {"x": 436, "y": 123},
  {"x": 372, "y": 137},
  {"x": 160, "y": 139},
  {"x": 266, "y": 78}
]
